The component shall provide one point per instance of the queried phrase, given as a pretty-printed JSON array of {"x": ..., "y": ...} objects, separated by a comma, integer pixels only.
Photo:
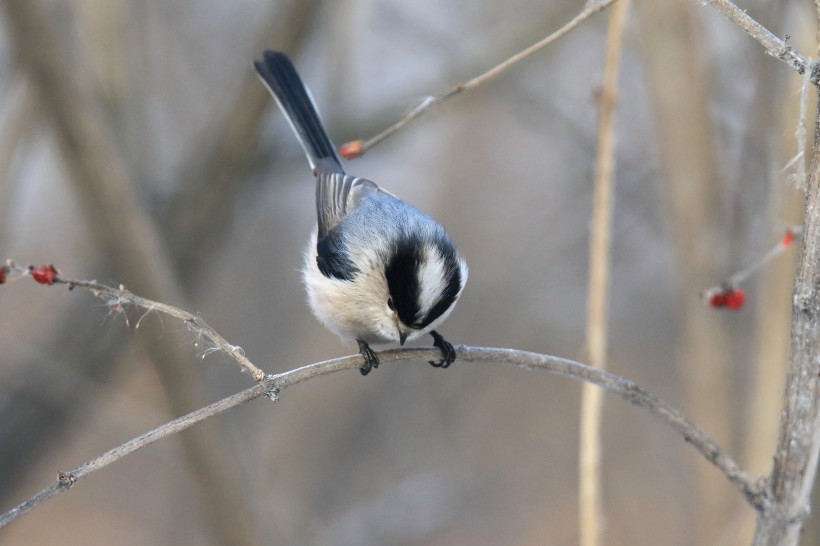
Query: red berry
[
  {"x": 352, "y": 149},
  {"x": 718, "y": 300},
  {"x": 788, "y": 238},
  {"x": 735, "y": 298},
  {"x": 44, "y": 274}
]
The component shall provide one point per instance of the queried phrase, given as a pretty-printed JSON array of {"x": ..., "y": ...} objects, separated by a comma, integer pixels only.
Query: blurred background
[{"x": 138, "y": 147}]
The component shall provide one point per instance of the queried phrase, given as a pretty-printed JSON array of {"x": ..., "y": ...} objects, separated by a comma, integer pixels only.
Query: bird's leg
[
  {"x": 371, "y": 360},
  {"x": 448, "y": 352}
]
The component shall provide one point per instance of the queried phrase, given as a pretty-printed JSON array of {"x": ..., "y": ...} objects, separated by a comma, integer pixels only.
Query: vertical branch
[
  {"x": 772, "y": 321},
  {"x": 591, "y": 510},
  {"x": 795, "y": 461}
]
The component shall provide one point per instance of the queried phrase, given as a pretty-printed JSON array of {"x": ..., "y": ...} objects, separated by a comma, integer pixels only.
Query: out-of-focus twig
[
  {"x": 358, "y": 148},
  {"x": 696, "y": 212},
  {"x": 217, "y": 170},
  {"x": 16, "y": 132},
  {"x": 597, "y": 327},
  {"x": 101, "y": 177},
  {"x": 273, "y": 384},
  {"x": 131, "y": 240}
]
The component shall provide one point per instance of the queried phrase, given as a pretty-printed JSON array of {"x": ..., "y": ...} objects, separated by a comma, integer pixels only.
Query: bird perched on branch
[{"x": 377, "y": 269}]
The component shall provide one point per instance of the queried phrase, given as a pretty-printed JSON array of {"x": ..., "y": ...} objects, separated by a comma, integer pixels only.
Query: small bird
[{"x": 376, "y": 270}]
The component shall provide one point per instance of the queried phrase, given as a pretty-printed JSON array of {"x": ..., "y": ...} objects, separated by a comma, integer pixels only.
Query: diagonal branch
[
  {"x": 774, "y": 46},
  {"x": 358, "y": 148},
  {"x": 129, "y": 237},
  {"x": 117, "y": 298},
  {"x": 273, "y": 384}
]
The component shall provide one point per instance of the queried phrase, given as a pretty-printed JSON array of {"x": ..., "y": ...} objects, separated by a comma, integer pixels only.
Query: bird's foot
[
  {"x": 448, "y": 352},
  {"x": 371, "y": 359}
]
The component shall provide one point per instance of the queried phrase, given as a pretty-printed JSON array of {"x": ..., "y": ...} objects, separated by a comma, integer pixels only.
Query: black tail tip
[{"x": 272, "y": 58}]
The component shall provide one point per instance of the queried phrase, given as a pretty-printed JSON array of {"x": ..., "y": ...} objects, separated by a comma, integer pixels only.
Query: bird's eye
[{"x": 390, "y": 304}]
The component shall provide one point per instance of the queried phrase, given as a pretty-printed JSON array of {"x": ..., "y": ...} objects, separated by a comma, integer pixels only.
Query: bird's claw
[
  {"x": 371, "y": 359},
  {"x": 448, "y": 352}
]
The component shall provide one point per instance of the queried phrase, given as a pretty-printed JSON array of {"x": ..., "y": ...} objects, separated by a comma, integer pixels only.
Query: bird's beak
[{"x": 402, "y": 338}]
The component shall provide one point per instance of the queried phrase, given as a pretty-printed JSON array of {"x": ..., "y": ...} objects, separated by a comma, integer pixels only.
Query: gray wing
[{"x": 337, "y": 194}]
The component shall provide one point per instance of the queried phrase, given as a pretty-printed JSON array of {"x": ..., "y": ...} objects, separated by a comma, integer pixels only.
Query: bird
[{"x": 376, "y": 269}]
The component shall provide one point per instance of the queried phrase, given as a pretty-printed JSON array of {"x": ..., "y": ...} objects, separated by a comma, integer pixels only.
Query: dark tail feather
[{"x": 281, "y": 78}]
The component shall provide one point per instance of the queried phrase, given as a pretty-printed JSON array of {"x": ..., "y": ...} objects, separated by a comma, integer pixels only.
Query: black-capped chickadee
[{"x": 376, "y": 269}]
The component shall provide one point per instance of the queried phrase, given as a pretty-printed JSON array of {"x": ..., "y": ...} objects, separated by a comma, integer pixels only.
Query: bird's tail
[{"x": 293, "y": 97}]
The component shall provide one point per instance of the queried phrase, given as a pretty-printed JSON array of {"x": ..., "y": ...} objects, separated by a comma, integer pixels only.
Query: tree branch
[
  {"x": 774, "y": 46},
  {"x": 126, "y": 232},
  {"x": 590, "y": 501},
  {"x": 358, "y": 148},
  {"x": 273, "y": 384},
  {"x": 215, "y": 173},
  {"x": 798, "y": 448},
  {"x": 117, "y": 298}
]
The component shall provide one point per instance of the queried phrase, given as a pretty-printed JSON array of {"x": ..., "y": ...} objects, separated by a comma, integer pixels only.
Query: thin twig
[
  {"x": 117, "y": 299},
  {"x": 66, "y": 480},
  {"x": 358, "y": 148},
  {"x": 774, "y": 46},
  {"x": 121, "y": 297},
  {"x": 128, "y": 236},
  {"x": 589, "y": 498},
  {"x": 273, "y": 384}
]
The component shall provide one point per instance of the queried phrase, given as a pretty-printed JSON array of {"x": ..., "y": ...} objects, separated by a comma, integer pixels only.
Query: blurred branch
[
  {"x": 774, "y": 46},
  {"x": 101, "y": 178},
  {"x": 130, "y": 240},
  {"x": 695, "y": 207},
  {"x": 597, "y": 327},
  {"x": 26, "y": 440},
  {"x": 273, "y": 384},
  {"x": 17, "y": 130},
  {"x": 796, "y": 456},
  {"x": 358, "y": 148},
  {"x": 198, "y": 212}
]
